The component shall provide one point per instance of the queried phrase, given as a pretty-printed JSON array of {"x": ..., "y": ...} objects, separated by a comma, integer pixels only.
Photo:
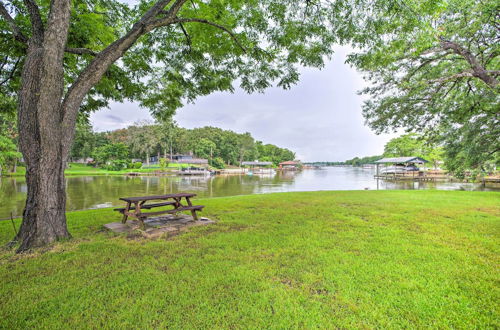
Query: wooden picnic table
[{"x": 135, "y": 205}]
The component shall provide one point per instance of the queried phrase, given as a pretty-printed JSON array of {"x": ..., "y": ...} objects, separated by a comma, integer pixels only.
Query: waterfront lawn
[
  {"x": 76, "y": 169},
  {"x": 356, "y": 259}
]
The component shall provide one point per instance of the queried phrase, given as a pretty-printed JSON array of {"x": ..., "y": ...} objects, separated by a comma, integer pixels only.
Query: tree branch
[
  {"x": 18, "y": 35},
  {"x": 11, "y": 75},
  {"x": 188, "y": 38},
  {"x": 204, "y": 21},
  {"x": 94, "y": 71},
  {"x": 36, "y": 20},
  {"x": 453, "y": 77},
  {"x": 478, "y": 70},
  {"x": 80, "y": 51}
]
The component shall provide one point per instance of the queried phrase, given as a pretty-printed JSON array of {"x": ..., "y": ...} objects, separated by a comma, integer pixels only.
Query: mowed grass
[
  {"x": 356, "y": 259},
  {"x": 76, "y": 169}
]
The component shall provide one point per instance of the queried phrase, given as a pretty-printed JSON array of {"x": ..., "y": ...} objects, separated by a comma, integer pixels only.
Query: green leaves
[
  {"x": 8, "y": 153},
  {"x": 114, "y": 154},
  {"x": 432, "y": 67}
]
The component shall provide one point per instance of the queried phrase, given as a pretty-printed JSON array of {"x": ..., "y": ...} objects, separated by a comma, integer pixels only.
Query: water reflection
[{"x": 104, "y": 191}]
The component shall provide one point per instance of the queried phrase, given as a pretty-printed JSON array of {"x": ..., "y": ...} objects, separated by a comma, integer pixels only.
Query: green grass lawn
[
  {"x": 83, "y": 169},
  {"x": 356, "y": 259}
]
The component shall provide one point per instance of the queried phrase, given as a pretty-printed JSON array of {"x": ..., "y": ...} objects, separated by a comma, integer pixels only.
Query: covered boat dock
[{"x": 401, "y": 168}]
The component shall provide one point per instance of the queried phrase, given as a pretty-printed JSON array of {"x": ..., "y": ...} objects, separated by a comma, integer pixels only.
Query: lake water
[{"x": 88, "y": 192}]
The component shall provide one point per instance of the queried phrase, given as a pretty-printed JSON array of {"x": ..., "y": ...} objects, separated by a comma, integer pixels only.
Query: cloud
[{"x": 319, "y": 118}]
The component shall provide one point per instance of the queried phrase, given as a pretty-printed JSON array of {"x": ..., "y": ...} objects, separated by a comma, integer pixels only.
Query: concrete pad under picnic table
[{"x": 166, "y": 225}]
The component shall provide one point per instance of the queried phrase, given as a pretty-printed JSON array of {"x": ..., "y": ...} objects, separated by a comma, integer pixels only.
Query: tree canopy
[
  {"x": 143, "y": 139},
  {"x": 433, "y": 67},
  {"x": 206, "y": 47}
]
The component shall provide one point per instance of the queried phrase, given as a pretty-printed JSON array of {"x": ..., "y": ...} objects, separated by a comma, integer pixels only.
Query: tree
[
  {"x": 406, "y": 145},
  {"x": 110, "y": 152},
  {"x": 170, "y": 52},
  {"x": 246, "y": 146},
  {"x": 204, "y": 148},
  {"x": 472, "y": 148},
  {"x": 434, "y": 67},
  {"x": 166, "y": 132},
  {"x": 84, "y": 141},
  {"x": 272, "y": 153},
  {"x": 8, "y": 153},
  {"x": 144, "y": 138}
]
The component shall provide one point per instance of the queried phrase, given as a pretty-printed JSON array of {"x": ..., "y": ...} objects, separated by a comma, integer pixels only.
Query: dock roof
[
  {"x": 191, "y": 161},
  {"x": 402, "y": 160},
  {"x": 290, "y": 162},
  {"x": 256, "y": 163}
]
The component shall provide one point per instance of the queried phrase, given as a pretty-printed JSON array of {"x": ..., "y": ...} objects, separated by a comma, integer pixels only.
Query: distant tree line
[
  {"x": 406, "y": 145},
  {"x": 115, "y": 149}
]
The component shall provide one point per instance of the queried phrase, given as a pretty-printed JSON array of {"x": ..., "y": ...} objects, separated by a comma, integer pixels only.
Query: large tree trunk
[
  {"x": 44, "y": 218},
  {"x": 41, "y": 133}
]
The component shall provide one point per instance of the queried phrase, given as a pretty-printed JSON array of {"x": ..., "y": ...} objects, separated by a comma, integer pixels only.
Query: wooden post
[
  {"x": 193, "y": 212},
  {"x": 138, "y": 216},
  {"x": 125, "y": 216}
]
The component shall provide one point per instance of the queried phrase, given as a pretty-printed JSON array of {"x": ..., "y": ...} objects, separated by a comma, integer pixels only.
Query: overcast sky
[{"x": 319, "y": 118}]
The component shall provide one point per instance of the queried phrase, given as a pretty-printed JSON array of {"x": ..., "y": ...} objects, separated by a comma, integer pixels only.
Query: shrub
[
  {"x": 116, "y": 165},
  {"x": 218, "y": 162},
  {"x": 163, "y": 163}
]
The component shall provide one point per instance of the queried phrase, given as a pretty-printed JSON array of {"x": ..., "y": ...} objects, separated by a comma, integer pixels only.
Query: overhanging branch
[
  {"x": 188, "y": 38},
  {"x": 102, "y": 61},
  {"x": 18, "y": 35},
  {"x": 80, "y": 51},
  {"x": 220, "y": 27},
  {"x": 453, "y": 77},
  {"x": 478, "y": 69},
  {"x": 36, "y": 20}
]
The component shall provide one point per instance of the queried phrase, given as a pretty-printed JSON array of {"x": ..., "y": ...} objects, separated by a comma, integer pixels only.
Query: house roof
[
  {"x": 257, "y": 163},
  {"x": 402, "y": 160},
  {"x": 290, "y": 162}
]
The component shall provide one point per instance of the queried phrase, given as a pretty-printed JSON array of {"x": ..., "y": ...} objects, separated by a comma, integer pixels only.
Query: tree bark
[
  {"x": 478, "y": 70},
  {"x": 39, "y": 116}
]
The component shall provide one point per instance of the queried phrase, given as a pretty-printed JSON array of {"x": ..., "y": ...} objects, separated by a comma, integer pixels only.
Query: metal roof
[
  {"x": 191, "y": 161},
  {"x": 402, "y": 160},
  {"x": 256, "y": 163}
]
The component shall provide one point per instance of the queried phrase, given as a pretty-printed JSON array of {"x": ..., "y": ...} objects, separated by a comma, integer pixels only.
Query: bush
[
  {"x": 116, "y": 165},
  {"x": 218, "y": 162},
  {"x": 135, "y": 165},
  {"x": 163, "y": 163}
]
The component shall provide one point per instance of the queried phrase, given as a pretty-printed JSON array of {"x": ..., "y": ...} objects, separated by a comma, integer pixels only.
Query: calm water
[{"x": 103, "y": 191}]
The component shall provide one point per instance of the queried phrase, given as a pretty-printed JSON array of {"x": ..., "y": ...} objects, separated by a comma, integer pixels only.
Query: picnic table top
[{"x": 148, "y": 198}]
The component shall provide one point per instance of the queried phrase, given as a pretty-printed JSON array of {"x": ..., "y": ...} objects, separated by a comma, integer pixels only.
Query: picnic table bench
[{"x": 135, "y": 205}]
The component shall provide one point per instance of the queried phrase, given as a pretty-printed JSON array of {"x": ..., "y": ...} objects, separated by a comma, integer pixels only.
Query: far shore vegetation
[{"x": 350, "y": 259}]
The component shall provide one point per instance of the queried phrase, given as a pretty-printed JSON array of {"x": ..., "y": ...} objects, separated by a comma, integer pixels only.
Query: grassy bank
[
  {"x": 363, "y": 259},
  {"x": 83, "y": 169}
]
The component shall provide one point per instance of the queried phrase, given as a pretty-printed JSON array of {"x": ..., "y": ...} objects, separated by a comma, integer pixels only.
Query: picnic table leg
[
  {"x": 143, "y": 226},
  {"x": 176, "y": 205},
  {"x": 193, "y": 212},
  {"x": 138, "y": 216},
  {"x": 125, "y": 216}
]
